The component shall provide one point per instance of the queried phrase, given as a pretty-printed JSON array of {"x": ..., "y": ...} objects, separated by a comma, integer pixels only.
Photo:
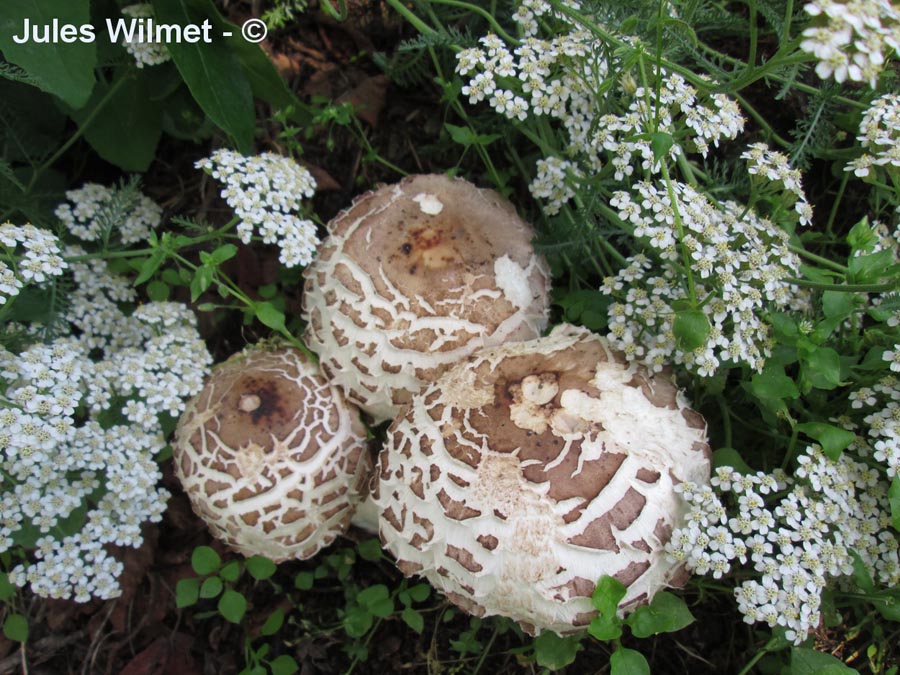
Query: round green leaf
[
  {"x": 260, "y": 568},
  {"x": 304, "y": 581},
  {"x": 284, "y": 665},
  {"x": 555, "y": 652},
  {"x": 413, "y": 619},
  {"x": 628, "y": 662},
  {"x": 232, "y": 606},
  {"x": 205, "y": 560},
  {"x": 273, "y": 624},
  {"x": 691, "y": 329},
  {"x": 187, "y": 592},
  {"x": 211, "y": 587},
  {"x": 16, "y": 628},
  {"x": 230, "y": 571}
]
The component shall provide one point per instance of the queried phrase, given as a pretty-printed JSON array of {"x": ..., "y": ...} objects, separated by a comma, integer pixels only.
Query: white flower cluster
[
  {"x": 739, "y": 262},
  {"x": 89, "y": 214},
  {"x": 264, "y": 191},
  {"x": 796, "y": 542},
  {"x": 145, "y": 53},
  {"x": 775, "y": 167},
  {"x": 883, "y": 423},
  {"x": 561, "y": 78},
  {"x": 72, "y": 462},
  {"x": 879, "y": 132},
  {"x": 852, "y": 40},
  {"x": 38, "y": 258}
]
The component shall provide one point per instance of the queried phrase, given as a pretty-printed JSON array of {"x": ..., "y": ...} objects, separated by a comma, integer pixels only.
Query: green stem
[
  {"x": 845, "y": 288},
  {"x": 726, "y": 421},
  {"x": 824, "y": 262},
  {"x": 498, "y": 29},
  {"x": 837, "y": 200},
  {"x": 679, "y": 227},
  {"x": 411, "y": 17},
  {"x": 791, "y": 448}
]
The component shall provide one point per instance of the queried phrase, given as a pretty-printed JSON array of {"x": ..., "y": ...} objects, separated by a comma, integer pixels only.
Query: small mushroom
[
  {"x": 271, "y": 456},
  {"x": 414, "y": 277},
  {"x": 528, "y": 471}
]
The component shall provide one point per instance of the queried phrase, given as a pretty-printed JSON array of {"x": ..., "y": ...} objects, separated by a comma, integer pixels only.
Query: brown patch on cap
[{"x": 464, "y": 558}]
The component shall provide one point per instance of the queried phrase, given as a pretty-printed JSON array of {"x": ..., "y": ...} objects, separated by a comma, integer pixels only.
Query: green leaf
[
  {"x": 419, "y": 592},
  {"x": 211, "y": 587},
  {"x": 260, "y": 568},
  {"x": 861, "y": 236},
  {"x": 370, "y": 550},
  {"x": 221, "y": 254},
  {"x": 7, "y": 590},
  {"x": 232, "y": 606},
  {"x": 773, "y": 384},
  {"x": 151, "y": 264},
  {"x": 205, "y": 560},
  {"x": 822, "y": 368},
  {"x": 283, "y": 665},
  {"x": 870, "y": 268},
  {"x": 666, "y": 613},
  {"x": 555, "y": 652},
  {"x": 833, "y": 440},
  {"x": 203, "y": 278},
  {"x": 465, "y": 136},
  {"x": 64, "y": 69},
  {"x": 304, "y": 581},
  {"x": 158, "y": 291},
  {"x": 269, "y": 315},
  {"x": 187, "y": 592},
  {"x": 230, "y": 571},
  {"x": 15, "y": 628},
  {"x": 894, "y": 497},
  {"x": 273, "y": 623},
  {"x": 606, "y": 597},
  {"x": 837, "y": 305},
  {"x": 413, "y": 619},
  {"x": 806, "y": 661},
  {"x": 691, "y": 329},
  {"x": 661, "y": 143},
  {"x": 357, "y": 622},
  {"x": 211, "y": 71},
  {"x": 628, "y": 662},
  {"x": 126, "y": 129},
  {"x": 730, "y": 457}
]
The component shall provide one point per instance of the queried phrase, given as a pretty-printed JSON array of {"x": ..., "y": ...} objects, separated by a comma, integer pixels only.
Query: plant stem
[
  {"x": 845, "y": 288},
  {"x": 824, "y": 262}
]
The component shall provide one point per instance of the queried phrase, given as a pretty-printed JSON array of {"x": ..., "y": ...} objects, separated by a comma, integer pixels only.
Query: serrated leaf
[
  {"x": 413, "y": 619},
  {"x": 691, "y": 329},
  {"x": 834, "y": 440},
  {"x": 628, "y": 662},
  {"x": 187, "y": 592},
  {"x": 232, "y": 606},
  {"x": 205, "y": 560},
  {"x": 555, "y": 652},
  {"x": 211, "y": 71},
  {"x": 63, "y": 69},
  {"x": 666, "y": 613},
  {"x": 260, "y": 568},
  {"x": 15, "y": 628}
]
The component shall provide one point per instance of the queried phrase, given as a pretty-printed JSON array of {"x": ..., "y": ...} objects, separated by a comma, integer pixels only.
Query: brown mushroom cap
[
  {"x": 271, "y": 456},
  {"x": 414, "y": 277},
  {"x": 527, "y": 472}
]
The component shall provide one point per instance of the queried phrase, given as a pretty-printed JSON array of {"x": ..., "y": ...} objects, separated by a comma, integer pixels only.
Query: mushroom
[
  {"x": 528, "y": 471},
  {"x": 414, "y": 277},
  {"x": 271, "y": 455}
]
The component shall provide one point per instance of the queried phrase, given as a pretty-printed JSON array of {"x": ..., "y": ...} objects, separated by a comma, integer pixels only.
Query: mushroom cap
[
  {"x": 527, "y": 472},
  {"x": 271, "y": 456},
  {"x": 414, "y": 277}
]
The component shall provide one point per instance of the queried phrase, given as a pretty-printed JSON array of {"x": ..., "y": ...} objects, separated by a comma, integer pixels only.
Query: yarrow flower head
[
  {"x": 852, "y": 40},
  {"x": 775, "y": 167},
  {"x": 264, "y": 191},
  {"x": 95, "y": 211},
  {"x": 28, "y": 255},
  {"x": 795, "y": 542},
  {"x": 740, "y": 260},
  {"x": 879, "y": 133},
  {"x": 145, "y": 52}
]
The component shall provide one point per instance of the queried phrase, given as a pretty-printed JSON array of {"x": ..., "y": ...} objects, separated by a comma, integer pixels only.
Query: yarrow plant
[
  {"x": 28, "y": 255},
  {"x": 852, "y": 40},
  {"x": 84, "y": 413},
  {"x": 265, "y": 192},
  {"x": 879, "y": 134},
  {"x": 90, "y": 211}
]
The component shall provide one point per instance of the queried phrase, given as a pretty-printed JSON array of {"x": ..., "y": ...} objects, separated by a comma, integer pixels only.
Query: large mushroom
[
  {"x": 271, "y": 455},
  {"x": 528, "y": 471},
  {"x": 414, "y": 277}
]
